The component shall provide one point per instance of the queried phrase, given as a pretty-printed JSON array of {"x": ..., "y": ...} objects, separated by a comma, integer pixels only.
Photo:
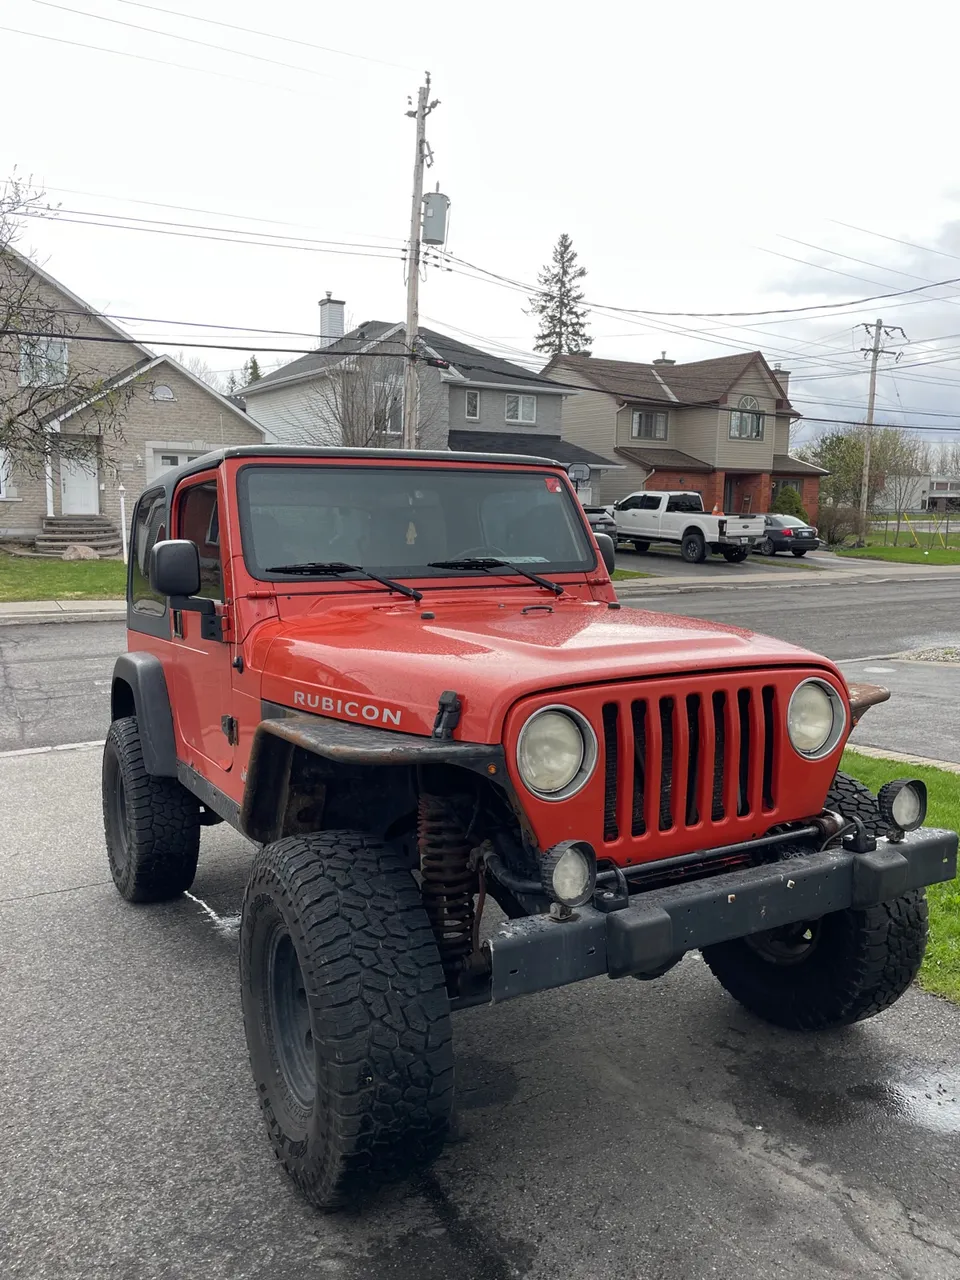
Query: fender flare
[{"x": 139, "y": 677}]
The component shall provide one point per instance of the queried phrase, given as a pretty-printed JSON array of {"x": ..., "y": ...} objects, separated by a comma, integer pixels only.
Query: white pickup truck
[{"x": 678, "y": 517}]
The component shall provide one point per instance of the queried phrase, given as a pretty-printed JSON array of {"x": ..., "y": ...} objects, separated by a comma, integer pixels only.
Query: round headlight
[
  {"x": 903, "y": 803},
  {"x": 556, "y": 752},
  {"x": 569, "y": 872},
  {"x": 815, "y": 719}
]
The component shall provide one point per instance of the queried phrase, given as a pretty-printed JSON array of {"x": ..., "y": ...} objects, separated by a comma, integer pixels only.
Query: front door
[
  {"x": 203, "y": 700},
  {"x": 79, "y": 487},
  {"x": 729, "y": 495}
]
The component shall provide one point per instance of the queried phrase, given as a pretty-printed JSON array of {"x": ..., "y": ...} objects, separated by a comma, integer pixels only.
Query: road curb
[
  {"x": 40, "y": 619},
  {"x": 830, "y": 578},
  {"x": 880, "y": 753}
]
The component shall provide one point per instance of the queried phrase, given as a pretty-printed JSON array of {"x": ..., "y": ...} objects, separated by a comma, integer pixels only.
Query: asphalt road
[{"x": 609, "y": 1130}]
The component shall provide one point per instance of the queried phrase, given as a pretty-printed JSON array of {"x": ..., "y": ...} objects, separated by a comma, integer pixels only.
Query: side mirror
[
  {"x": 174, "y": 568},
  {"x": 608, "y": 551}
]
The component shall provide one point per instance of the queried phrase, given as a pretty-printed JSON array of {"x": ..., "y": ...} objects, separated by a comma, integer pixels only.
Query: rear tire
[
  {"x": 640, "y": 547},
  {"x": 693, "y": 549},
  {"x": 151, "y": 824},
  {"x": 346, "y": 1014},
  {"x": 833, "y": 971},
  {"x": 735, "y": 555}
]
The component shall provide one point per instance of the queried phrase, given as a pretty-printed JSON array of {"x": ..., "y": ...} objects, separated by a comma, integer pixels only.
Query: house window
[
  {"x": 167, "y": 460},
  {"x": 4, "y": 475},
  {"x": 521, "y": 409},
  {"x": 648, "y": 426},
  {"x": 43, "y": 362},
  {"x": 162, "y": 392},
  {"x": 746, "y": 421},
  {"x": 472, "y": 408},
  {"x": 388, "y": 409}
]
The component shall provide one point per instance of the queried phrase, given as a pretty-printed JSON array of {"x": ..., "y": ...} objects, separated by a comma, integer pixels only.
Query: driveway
[
  {"x": 665, "y": 561},
  {"x": 607, "y": 1131}
]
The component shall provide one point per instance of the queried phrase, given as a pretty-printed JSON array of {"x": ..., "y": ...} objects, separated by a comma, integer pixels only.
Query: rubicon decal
[{"x": 346, "y": 706}]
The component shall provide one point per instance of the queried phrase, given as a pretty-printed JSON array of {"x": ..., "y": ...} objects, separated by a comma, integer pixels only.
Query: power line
[
  {"x": 269, "y": 35},
  {"x": 907, "y": 243},
  {"x": 161, "y": 62},
  {"x": 203, "y": 44}
]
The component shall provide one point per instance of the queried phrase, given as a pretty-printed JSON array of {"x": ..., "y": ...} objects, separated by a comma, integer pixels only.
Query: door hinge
[{"x": 231, "y": 729}]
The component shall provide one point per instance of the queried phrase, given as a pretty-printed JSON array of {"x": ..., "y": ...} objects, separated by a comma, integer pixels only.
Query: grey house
[{"x": 349, "y": 391}]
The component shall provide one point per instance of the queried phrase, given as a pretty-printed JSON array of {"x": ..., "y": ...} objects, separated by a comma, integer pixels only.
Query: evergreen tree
[
  {"x": 231, "y": 383},
  {"x": 787, "y": 503},
  {"x": 559, "y": 304},
  {"x": 252, "y": 371}
]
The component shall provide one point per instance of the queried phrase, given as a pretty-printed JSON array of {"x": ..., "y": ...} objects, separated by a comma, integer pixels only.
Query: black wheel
[
  {"x": 836, "y": 970},
  {"x": 766, "y": 547},
  {"x": 152, "y": 825},
  {"x": 640, "y": 546},
  {"x": 735, "y": 555},
  {"x": 798, "y": 554},
  {"x": 693, "y": 549},
  {"x": 346, "y": 1013}
]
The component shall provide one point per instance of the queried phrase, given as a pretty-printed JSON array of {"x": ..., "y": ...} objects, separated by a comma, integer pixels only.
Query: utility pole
[
  {"x": 871, "y": 401},
  {"x": 875, "y": 351},
  {"x": 411, "y": 385}
]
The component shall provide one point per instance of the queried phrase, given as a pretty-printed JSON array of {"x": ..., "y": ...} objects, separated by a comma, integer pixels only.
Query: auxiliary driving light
[
  {"x": 568, "y": 872},
  {"x": 903, "y": 803}
]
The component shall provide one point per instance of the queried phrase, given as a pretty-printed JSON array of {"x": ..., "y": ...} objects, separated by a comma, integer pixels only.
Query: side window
[
  {"x": 649, "y": 503},
  {"x": 628, "y": 504},
  {"x": 199, "y": 521},
  {"x": 149, "y": 526}
]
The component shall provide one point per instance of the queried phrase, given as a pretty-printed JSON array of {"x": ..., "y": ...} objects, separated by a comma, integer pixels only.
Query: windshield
[{"x": 396, "y": 520}]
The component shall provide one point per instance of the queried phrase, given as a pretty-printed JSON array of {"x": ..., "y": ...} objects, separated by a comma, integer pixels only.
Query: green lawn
[
  {"x": 941, "y": 968},
  {"x": 904, "y": 555},
  {"x": 620, "y": 575},
  {"x": 26, "y": 579}
]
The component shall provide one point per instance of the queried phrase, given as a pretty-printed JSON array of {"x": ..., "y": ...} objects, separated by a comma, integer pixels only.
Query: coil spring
[{"x": 448, "y": 883}]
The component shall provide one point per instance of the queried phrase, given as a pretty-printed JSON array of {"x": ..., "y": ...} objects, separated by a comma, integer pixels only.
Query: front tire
[
  {"x": 693, "y": 549},
  {"x": 151, "y": 824},
  {"x": 839, "y": 969},
  {"x": 735, "y": 555},
  {"x": 766, "y": 547},
  {"x": 798, "y": 554},
  {"x": 346, "y": 1014}
]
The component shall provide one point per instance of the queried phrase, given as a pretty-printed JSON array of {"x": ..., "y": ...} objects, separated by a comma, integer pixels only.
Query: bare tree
[
  {"x": 200, "y": 369},
  {"x": 42, "y": 371},
  {"x": 907, "y": 458},
  {"x": 358, "y": 402}
]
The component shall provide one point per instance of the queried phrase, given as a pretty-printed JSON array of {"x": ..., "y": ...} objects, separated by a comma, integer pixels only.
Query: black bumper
[{"x": 535, "y": 953}]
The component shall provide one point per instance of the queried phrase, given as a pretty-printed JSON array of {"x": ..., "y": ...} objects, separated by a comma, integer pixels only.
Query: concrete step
[
  {"x": 44, "y": 542},
  {"x": 53, "y": 524}
]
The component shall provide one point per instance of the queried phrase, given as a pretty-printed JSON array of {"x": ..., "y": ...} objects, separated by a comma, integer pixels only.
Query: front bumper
[{"x": 535, "y": 953}]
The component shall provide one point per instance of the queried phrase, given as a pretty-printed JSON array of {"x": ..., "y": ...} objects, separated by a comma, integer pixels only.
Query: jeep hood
[{"x": 387, "y": 663}]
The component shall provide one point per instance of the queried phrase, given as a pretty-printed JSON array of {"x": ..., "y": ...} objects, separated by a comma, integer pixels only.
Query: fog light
[
  {"x": 568, "y": 872},
  {"x": 903, "y": 803}
]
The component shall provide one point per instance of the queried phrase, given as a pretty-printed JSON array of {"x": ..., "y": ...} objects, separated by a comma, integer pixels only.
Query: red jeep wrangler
[{"x": 407, "y": 678}]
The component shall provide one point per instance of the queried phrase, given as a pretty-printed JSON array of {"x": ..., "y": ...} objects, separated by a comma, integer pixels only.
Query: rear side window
[
  {"x": 684, "y": 502},
  {"x": 149, "y": 527}
]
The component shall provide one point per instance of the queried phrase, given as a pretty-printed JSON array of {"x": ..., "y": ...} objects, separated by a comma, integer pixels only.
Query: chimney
[
  {"x": 331, "y": 319},
  {"x": 663, "y": 359},
  {"x": 783, "y": 377}
]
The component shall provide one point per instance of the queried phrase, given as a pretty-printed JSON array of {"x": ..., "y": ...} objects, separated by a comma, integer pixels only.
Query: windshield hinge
[{"x": 448, "y": 714}]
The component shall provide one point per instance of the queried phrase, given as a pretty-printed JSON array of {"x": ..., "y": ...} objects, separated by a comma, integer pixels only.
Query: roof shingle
[
  {"x": 664, "y": 459},
  {"x": 509, "y": 442},
  {"x": 696, "y": 382}
]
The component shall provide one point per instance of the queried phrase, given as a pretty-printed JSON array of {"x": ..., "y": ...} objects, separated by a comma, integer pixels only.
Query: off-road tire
[
  {"x": 151, "y": 824},
  {"x": 734, "y": 555},
  {"x": 766, "y": 547},
  {"x": 693, "y": 549},
  {"x": 368, "y": 1096},
  {"x": 862, "y": 961},
  {"x": 798, "y": 554},
  {"x": 641, "y": 547}
]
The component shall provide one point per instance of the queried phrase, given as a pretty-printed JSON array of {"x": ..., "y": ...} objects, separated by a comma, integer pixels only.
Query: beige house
[
  {"x": 720, "y": 427},
  {"x": 164, "y": 415}
]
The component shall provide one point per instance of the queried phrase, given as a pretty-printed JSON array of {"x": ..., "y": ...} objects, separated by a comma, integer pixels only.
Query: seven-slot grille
[{"x": 687, "y": 759}]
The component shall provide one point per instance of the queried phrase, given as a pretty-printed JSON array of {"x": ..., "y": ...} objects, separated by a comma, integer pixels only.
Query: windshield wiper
[
  {"x": 337, "y": 567},
  {"x": 488, "y": 566}
]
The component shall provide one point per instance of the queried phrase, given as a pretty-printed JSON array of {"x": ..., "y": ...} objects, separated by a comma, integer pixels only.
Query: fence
[{"x": 924, "y": 529}]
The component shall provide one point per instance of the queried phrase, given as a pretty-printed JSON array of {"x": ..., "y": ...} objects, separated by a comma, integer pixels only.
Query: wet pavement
[{"x": 607, "y": 1130}]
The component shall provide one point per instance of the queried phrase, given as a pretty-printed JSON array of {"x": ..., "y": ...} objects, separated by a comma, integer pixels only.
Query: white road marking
[
  {"x": 228, "y": 926},
  {"x": 42, "y": 751},
  {"x": 879, "y": 671}
]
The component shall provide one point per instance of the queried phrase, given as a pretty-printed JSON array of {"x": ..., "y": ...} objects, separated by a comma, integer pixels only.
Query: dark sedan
[
  {"x": 787, "y": 533},
  {"x": 601, "y": 521}
]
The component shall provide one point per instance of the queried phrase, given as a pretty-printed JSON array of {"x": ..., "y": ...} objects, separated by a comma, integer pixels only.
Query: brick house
[
  {"x": 166, "y": 415},
  {"x": 720, "y": 427}
]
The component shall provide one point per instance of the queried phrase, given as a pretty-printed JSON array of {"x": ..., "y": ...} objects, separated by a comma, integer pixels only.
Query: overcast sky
[{"x": 680, "y": 145}]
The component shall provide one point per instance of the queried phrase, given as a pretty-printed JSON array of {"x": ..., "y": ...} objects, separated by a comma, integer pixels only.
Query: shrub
[
  {"x": 787, "y": 503},
  {"x": 836, "y": 524}
]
